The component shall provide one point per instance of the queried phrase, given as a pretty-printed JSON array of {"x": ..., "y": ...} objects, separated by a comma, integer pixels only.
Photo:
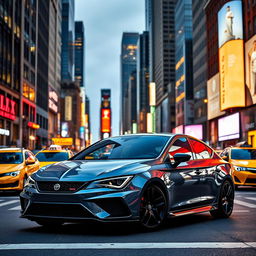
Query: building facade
[
  {"x": 200, "y": 65},
  {"x": 160, "y": 23},
  {"x": 142, "y": 82},
  {"x": 128, "y": 65},
  {"x": 184, "y": 64},
  {"x": 79, "y": 52},
  {"x": 231, "y": 85},
  {"x": 67, "y": 40}
]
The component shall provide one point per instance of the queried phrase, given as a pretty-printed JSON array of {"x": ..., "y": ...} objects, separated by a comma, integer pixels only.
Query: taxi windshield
[
  {"x": 243, "y": 154},
  {"x": 11, "y": 158},
  {"x": 52, "y": 156}
]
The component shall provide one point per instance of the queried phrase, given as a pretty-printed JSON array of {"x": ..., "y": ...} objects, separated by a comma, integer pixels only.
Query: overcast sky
[{"x": 104, "y": 23}]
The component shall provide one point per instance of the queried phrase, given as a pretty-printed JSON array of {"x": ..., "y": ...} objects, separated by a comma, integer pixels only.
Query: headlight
[
  {"x": 29, "y": 182},
  {"x": 239, "y": 168},
  {"x": 118, "y": 182},
  {"x": 13, "y": 174}
]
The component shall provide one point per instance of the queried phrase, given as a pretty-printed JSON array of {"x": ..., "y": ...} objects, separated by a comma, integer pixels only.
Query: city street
[{"x": 188, "y": 235}]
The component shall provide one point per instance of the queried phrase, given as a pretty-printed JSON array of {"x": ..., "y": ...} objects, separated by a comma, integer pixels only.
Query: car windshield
[
  {"x": 11, "y": 158},
  {"x": 126, "y": 147},
  {"x": 52, "y": 156},
  {"x": 243, "y": 154}
]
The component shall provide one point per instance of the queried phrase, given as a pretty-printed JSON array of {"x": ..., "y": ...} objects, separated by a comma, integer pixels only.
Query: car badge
[{"x": 56, "y": 186}]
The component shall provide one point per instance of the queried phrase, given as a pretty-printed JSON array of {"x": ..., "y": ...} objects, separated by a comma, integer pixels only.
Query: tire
[
  {"x": 225, "y": 202},
  {"x": 49, "y": 223},
  {"x": 153, "y": 207}
]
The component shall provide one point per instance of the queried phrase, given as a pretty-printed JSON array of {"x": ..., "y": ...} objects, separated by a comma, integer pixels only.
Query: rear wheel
[
  {"x": 153, "y": 209},
  {"x": 226, "y": 201}
]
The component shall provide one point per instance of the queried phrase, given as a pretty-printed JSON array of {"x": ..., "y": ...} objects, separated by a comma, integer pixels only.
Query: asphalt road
[{"x": 188, "y": 235}]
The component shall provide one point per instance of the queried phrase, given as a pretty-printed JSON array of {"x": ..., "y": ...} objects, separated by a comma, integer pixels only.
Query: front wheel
[
  {"x": 226, "y": 201},
  {"x": 153, "y": 209}
]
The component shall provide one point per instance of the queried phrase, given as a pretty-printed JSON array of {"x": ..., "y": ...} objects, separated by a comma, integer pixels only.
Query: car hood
[
  {"x": 82, "y": 170},
  {"x": 244, "y": 163},
  {"x": 10, "y": 167}
]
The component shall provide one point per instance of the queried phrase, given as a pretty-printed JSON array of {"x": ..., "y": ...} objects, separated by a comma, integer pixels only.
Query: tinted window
[
  {"x": 11, "y": 158},
  {"x": 243, "y": 154},
  {"x": 201, "y": 151},
  {"x": 180, "y": 145},
  {"x": 127, "y": 147},
  {"x": 52, "y": 156}
]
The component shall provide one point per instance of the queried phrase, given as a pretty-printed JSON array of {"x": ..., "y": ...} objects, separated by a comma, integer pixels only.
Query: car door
[
  {"x": 206, "y": 167},
  {"x": 184, "y": 189}
]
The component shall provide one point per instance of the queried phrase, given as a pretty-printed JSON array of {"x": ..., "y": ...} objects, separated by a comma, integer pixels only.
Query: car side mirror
[
  {"x": 180, "y": 158},
  {"x": 30, "y": 161},
  {"x": 225, "y": 158}
]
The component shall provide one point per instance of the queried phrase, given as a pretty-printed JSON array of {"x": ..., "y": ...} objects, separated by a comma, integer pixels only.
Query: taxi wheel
[{"x": 226, "y": 201}]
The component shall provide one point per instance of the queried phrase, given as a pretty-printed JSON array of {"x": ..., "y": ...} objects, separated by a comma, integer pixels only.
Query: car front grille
[
  {"x": 10, "y": 185},
  {"x": 249, "y": 180},
  {"x": 253, "y": 170},
  {"x": 61, "y": 186},
  {"x": 58, "y": 210}
]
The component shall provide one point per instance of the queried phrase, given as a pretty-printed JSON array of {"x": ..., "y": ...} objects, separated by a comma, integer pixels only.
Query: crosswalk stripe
[
  {"x": 8, "y": 202},
  {"x": 100, "y": 246},
  {"x": 251, "y": 198},
  {"x": 236, "y": 211},
  {"x": 245, "y": 204},
  {"x": 16, "y": 208}
]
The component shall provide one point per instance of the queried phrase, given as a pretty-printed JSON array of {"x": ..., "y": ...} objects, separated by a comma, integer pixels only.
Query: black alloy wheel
[
  {"x": 226, "y": 201},
  {"x": 153, "y": 209}
]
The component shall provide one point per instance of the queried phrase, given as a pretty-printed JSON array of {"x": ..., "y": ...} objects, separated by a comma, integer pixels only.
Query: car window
[
  {"x": 52, "y": 156},
  {"x": 181, "y": 145},
  {"x": 201, "y": 151}
]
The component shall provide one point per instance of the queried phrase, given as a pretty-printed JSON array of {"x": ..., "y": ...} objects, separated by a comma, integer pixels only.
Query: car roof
[
  {"x": 55, "y": 151},
  {"x": 11, "y": 149},
  {"x": 242, "y": 148}
]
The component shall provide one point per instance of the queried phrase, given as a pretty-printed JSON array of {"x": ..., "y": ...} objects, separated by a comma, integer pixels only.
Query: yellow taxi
[
  {"x": 243, "y": 164},
  {"x": 16, "y": 164},
  {"x": 53, "y": 155}
]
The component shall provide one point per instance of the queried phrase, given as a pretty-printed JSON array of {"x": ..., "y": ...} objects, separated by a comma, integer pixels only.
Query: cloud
[{"x": 104, "y": 22}]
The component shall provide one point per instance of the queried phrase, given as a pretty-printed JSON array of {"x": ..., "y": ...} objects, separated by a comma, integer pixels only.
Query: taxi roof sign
[{"x": 63, "y": 141}]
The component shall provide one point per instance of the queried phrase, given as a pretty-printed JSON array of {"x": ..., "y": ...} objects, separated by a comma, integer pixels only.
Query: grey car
[{"x": 141, "y": 177}]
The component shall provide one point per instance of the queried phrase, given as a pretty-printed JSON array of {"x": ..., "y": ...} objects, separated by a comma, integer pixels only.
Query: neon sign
[{"x": 7, "y": 107}]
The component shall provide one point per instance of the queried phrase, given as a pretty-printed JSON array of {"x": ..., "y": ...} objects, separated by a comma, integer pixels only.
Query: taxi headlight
[
  {"x": 239, "y": 168},
  {"x": 117, "y": 182},
  {"x": 13, "y": 174}
]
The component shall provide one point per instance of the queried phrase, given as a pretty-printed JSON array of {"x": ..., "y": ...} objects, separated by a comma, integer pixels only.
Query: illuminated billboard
[
  {"x": 231, "y": 60},
  {"x": 228, "y": 127},
  {"x": 213, "y": 96},
  {"x": 250, "y": 67},
  {"x": 105, "y": 120},
  {"x": 195, "y": 130}
]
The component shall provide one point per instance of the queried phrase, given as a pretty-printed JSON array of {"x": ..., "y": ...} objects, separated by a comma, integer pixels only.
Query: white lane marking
[
  {"x": 9, "y": 202},
  {"x": 16, "y": 208},
  {"x": 245, "y": 204},
  {"x": 240, "y": 211},
  {"x": 100, "y": 246},
  {"x": 251, "y": 198}
]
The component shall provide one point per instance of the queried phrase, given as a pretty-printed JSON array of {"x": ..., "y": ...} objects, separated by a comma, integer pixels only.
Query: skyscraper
[
  {"x": 68, "y": 38},
  {"x": 199, "y": 63},
  {"x": 142, "y": 81},
  {"x": 79, "y": 52},
  {"x": 128, "y": 65},
  {"x": 161, "y": 27},
  {"x": 183, "y": 56}
]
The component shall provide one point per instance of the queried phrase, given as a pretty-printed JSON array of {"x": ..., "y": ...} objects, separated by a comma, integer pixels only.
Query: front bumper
[
  {"x": 11, "y": 183},
  {"x": 98, "y": 204},
  {"x": 244, "y": 178}
]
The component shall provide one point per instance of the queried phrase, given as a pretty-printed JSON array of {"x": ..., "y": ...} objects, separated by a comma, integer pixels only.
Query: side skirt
[{"x": 192, "y": 211}]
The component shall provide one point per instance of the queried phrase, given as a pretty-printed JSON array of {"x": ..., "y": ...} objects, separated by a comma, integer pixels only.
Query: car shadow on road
[{"x": 120, "y": 229}]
